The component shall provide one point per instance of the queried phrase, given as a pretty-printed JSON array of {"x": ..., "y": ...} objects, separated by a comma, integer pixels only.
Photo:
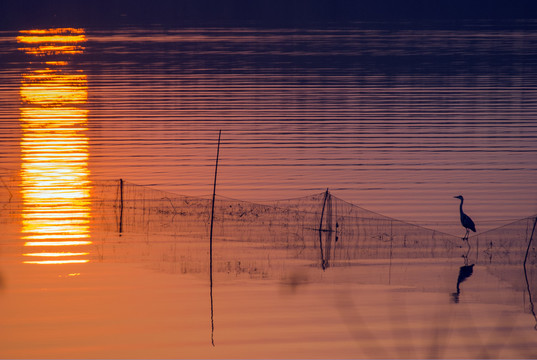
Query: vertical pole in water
[
  {"x": 391, "y": 252},
  {"x": 211, "y": 239},
  {"x": 120, "y": 206},
  {"x": 532, "y": 308},
  {"x": 323, "y": 263},
  {"x": 7, "y": 188},
  {"x": 328, "y": 230},
  {"x": 322, "y": 211},
  {"x": 529, "y": 242}
]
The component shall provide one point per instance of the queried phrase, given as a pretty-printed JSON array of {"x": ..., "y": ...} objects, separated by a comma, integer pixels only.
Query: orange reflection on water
[
  {"x": 56, "y": 262},
  {"x": 51, "y": 39},
  {"x": 68, "y": 31},
  {"x": 54, "y": 150},
  {"x": 57, "y": 243},
  {"x": 53, "y": 50},
  {"x": 56, "y": 254},
  {"x": 59, "y": 41},
  {"x": 51, "y": 86}
]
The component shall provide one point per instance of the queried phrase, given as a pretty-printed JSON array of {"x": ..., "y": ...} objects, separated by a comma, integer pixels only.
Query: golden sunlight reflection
[
  {"x": 55, "y": 262},
  {"x": 54, "y": 149},
  {"x": 52, "y": 41},
  {"x": 56, "y": 254}
]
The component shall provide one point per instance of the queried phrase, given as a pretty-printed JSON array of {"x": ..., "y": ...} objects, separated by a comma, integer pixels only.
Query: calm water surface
[
  {"x": 394, "y": 119},
  {"x": 147, "y": 296}
]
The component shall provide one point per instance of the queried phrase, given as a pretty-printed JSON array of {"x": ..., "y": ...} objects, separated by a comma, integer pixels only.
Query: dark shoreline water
[{"x": 261, "y": 14}]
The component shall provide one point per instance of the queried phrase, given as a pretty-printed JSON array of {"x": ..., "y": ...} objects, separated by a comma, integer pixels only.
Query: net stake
[
  {"x": 120, "y": 206},
  {"x": 211, "y": 239}
]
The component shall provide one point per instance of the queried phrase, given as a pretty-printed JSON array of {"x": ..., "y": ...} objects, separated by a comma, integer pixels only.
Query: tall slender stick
[
  {"x": 532, "y": 308},
  {"x": 529, "y": 242},
  {"x": 323, "y": 263},
  {"x": 322, "y": 211},
  {"x": 211, "y": 239},
  {"x": 7, "y": 188},
  {"x": 120, "y": 206}
]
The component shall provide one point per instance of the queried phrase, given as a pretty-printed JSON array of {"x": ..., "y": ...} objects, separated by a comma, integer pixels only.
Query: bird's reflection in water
[{"x": 465, "y": 272}]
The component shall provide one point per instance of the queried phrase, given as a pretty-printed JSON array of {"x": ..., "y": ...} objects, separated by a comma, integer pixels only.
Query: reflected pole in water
[
  {"x": 211, "y": 239},
  {"x": 323, "y": 261}
]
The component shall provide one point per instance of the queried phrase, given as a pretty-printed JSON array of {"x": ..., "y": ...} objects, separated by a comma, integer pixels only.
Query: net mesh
[
  {"x": 257, "y": 239},
  {"x": 320, "y": 226}
]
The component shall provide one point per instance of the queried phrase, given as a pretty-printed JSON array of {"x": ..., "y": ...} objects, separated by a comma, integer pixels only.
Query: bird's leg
[{"x": 466, "y": 235}]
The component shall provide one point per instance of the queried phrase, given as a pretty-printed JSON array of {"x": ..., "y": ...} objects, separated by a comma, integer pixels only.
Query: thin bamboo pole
[{"x": 211, "y": 239}]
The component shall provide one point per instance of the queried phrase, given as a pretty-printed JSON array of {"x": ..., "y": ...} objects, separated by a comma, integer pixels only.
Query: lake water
[{"x": 395, "y": 119}]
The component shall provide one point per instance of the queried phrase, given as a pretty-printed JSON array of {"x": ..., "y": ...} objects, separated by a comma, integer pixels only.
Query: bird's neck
[{"x": 462, "y": 200}]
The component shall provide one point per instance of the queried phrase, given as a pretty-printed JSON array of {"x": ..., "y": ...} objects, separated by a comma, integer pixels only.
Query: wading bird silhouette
[{"x": 465, "y": 220}]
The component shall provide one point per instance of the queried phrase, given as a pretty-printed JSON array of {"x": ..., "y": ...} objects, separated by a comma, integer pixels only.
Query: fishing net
[
  {"x": 509, "y": 253},
  {"x": 170, "y": 233},
  {"x": 321, "y": 228},
  {"x": 133, "y": 221},
  {"x": 319, "y": 231}
]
